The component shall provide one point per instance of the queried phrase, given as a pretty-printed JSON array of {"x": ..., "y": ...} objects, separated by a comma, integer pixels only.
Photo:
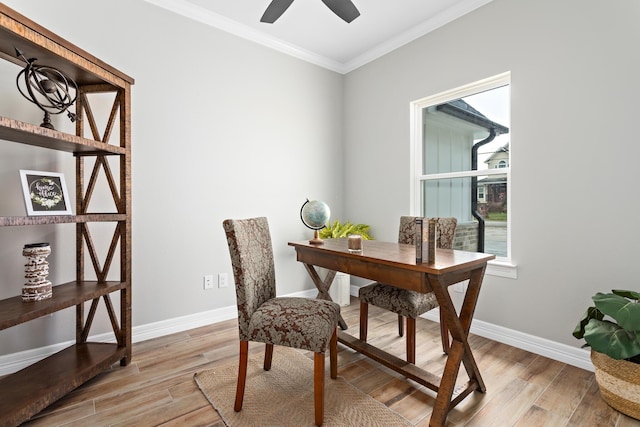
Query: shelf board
[
  {"x": 18, "y": 31},
  {"x": 27, "y": 133},
  {"x": 8, "y": 221},
  {"x": 14, "y": 311},
  {"x": 55, "y": 376}
]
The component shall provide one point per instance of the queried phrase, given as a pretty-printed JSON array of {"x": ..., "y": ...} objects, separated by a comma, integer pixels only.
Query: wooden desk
[{"x": 395, "y": 264}]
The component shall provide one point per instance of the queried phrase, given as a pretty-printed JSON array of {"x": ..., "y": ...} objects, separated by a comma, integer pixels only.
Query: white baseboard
[
  {"x": 573, "y": 356},
  {"x": 183, "y": 323},
  {"x": 11, "y": 363}
]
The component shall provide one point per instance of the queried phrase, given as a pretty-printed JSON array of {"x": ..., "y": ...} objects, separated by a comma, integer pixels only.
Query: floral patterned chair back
[
  {"x": 304, "y": 323},
  {"x": 251, "y": 254},
  {"x": 445, "y": 231}
]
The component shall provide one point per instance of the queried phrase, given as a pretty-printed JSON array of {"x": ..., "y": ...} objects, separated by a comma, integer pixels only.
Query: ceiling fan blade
[
  {"x": 345, "y": 9},
  {"x": 274, "y": 10}
]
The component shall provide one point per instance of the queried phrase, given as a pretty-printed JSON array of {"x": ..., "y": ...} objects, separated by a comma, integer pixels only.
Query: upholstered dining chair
[
  {"x": 406, "y": 303},
  {"x": 308, "y": 324}
]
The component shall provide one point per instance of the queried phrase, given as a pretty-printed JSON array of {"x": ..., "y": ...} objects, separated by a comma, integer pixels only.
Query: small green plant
[
  {"x": 336, "y": 230},
  {"x": 620, "y": 338}
]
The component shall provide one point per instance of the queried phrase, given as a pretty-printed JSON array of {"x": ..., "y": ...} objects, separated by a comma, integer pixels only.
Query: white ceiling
[{"x": 311, "y": 31}]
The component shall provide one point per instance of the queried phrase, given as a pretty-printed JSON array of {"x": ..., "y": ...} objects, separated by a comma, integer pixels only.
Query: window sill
[{"x": 502, "y": 269}]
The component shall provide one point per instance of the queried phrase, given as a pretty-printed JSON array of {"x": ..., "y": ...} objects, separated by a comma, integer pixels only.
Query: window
[{"x": 461, "y": 168}]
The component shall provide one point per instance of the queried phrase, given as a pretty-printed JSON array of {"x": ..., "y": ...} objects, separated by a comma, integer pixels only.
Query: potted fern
[
  {"x": 612, "y": 329},
  {"x": 340, "y": 290},
  {"x": 336, "y": 230}
]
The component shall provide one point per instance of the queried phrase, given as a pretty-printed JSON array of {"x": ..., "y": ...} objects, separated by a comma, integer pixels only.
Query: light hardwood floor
[{"x": 157, "y": 388}]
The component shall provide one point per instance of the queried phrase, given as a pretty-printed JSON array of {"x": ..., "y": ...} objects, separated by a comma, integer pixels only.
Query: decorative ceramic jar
[{"x": 36, "y": 271}]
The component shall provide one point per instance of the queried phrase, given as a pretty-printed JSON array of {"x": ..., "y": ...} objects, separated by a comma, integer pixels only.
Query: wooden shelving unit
[{"x": 26, "y": 392}]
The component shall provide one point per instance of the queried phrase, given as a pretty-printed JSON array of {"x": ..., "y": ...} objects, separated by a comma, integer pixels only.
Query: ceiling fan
[{"x": 345, "y": 9}]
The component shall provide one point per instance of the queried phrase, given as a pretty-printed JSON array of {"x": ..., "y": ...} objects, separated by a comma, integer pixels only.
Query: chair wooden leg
[
  {"x": 268, "y": 356},
  {"x": 364, "y": 320},
  {"x": 333, "y": 354},
  {"x": 242, "y": 375},
  {"x": 444, "y": 334},
  {"x": 401, "y": 325},
  {"x": 411, "y": 340},
  {"x": 318, "y": 386}
]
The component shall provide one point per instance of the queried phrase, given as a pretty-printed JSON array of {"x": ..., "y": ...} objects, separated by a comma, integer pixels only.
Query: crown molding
[
  {"x": 437, "y": 21},
  {"x": 205, "y": 16}
]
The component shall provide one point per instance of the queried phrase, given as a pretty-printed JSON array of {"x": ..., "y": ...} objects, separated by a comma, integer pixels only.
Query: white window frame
[
  {"x": 503, "y": 266},
  {"x": 481, "y": 194}
]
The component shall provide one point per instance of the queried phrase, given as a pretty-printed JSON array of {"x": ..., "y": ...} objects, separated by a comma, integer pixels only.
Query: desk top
[
  {"x": 395, "y": 264},
  {"x": 397, "y": 255}
]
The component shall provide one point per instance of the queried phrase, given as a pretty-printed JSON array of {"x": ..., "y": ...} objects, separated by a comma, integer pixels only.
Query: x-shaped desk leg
[
  {"x": 323, "y": 287},
  {"x": 460, "y": 350}
]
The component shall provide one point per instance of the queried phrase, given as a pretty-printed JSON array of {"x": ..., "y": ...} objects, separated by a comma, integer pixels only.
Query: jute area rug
[{"x": 283, "y": 396}]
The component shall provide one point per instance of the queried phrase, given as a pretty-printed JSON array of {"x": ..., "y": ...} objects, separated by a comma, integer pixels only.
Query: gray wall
[
  {"x": 575, "y": 92},
  {"x": 222, "y": 128},
  {"x": 253, "y": 135}
]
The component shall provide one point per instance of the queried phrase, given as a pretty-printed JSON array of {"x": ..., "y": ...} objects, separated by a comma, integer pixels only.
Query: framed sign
[{"x": 45, "y": 193}]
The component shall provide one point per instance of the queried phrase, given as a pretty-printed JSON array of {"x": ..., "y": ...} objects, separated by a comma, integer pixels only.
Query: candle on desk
[{"x": 355, "y": 243}]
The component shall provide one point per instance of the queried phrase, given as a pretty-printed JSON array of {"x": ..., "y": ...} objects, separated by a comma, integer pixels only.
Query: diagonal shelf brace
[
  {"x": 114, "y": 320},
  {"x": 112, "y": 317},
  {"x": 86, "y": 106},
  {"x": 92, "y": 253},
  {"x": 102, "y": 161},
  {"x": 112, "y": 183},
  {"x": 89, "y": 321},
  {"x": 112, "y": 117},
  {"x": 112, "y": 250}
]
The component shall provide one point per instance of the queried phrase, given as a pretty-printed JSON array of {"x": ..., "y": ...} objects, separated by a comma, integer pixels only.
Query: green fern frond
[{"x": 337, "y": 230}]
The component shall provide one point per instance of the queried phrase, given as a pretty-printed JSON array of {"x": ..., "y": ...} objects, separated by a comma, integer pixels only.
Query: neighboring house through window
[{"x": 461, "y": 165}]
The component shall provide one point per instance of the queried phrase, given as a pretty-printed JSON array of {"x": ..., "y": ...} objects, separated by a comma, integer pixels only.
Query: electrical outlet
[
  {"x": 223, "y": 280},
  {"x": 208, "y": 281}
]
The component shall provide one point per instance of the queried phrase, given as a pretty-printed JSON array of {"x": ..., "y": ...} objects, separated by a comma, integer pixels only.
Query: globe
[
  {"x": 315, "y": 214},
  {"x": 48, "y": 88}
]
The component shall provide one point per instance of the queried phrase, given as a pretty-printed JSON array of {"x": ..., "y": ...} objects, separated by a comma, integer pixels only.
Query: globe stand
[
  {"x": 46, "y": 123},
  {"x": 314, "y": 215},
  {"x": 316, "y": 238}
]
